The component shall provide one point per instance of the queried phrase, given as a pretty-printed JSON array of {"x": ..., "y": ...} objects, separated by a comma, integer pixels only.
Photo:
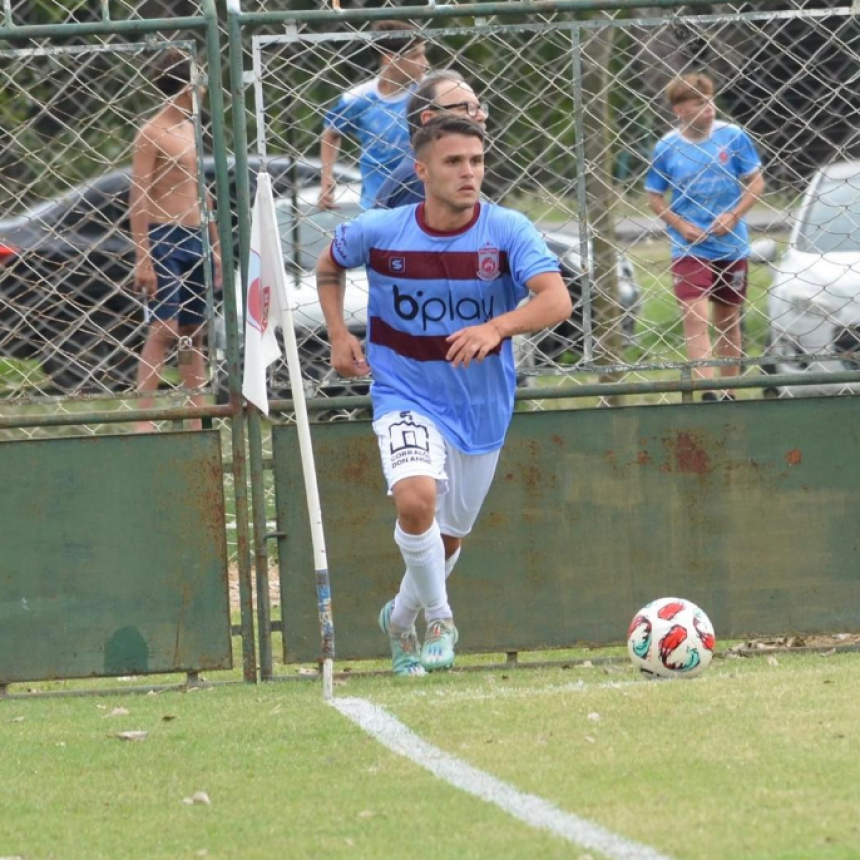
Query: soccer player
[
  {"x": 167, "y": 232},
  {"x": 374, "y": 113},
  {"x": 439, "y": 92},
  {"x": 446, "y": 279},
  {"x": 714, "y": 174}
]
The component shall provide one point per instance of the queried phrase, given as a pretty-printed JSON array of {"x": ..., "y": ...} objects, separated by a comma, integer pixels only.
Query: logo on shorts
[
  {"x": 397, "y": 265},
  {"x": 259, "y": 297},
  {"x": 406, "y": 435},
  {"x": 488, "y": 263}
]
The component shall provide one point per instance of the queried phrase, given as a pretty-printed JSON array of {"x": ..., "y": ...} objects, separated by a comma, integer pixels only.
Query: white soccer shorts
[{"x": 410, "y": 444}]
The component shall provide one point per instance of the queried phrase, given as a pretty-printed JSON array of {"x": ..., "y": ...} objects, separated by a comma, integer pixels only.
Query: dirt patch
[{"x": 782, "y": 643}]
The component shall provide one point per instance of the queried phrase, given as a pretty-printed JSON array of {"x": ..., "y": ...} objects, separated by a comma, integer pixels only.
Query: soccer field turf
[{"x": 757, "y": 760}]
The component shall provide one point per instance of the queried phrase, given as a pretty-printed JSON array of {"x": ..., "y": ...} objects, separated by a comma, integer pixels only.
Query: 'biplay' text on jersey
[{"x": 425, "y": 285}]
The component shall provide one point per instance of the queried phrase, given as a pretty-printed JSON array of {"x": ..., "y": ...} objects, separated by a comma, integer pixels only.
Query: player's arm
[
  {"x": 689, "y": 232},
  {"x": 143, "y": 162},
  {"x": 549, "y": 305},
  {"x": 753, "y": 190},
  {"x": 329, "y": 149},
  {"x": 347, "y": 356}
]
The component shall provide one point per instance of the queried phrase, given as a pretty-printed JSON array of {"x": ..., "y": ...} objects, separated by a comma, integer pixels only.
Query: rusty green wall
[
  {"x": 113, "y": 559},
  {"x": 749, "y": 509}
]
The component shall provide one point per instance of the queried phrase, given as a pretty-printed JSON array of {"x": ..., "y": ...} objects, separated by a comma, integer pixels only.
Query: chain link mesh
[
  {"x": 71, "y": 321},
  {"x": 576, "y": 109}
]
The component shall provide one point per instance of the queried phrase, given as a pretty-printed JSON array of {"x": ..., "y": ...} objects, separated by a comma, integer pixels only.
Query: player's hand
[
  {"x": 475, "y": 342},
  {"x": 145, "y": 281},
  {"x": 691, "y": 233},
  {"x": 347, "y": 356},
  {"x": 724, "y": 223},
  {"x": 326, "y": 198}
]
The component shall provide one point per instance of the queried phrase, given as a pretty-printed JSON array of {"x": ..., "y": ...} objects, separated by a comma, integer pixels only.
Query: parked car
[
  {"x": 305, "y": 236},
  {"x": 814, "y": 300},
  {"x": 66, "y": 274}
]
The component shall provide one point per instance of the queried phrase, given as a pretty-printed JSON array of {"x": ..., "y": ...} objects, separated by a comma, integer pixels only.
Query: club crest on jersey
[
  {"x": 397, "y": 265},
  {"x": 488, "y": 263}
]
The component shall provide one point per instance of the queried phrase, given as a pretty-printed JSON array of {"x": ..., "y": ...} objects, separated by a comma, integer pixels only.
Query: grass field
[{"x": 756, "y": 760}]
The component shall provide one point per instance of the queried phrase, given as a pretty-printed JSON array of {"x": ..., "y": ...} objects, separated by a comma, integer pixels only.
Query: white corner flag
[
  {"x": 268, "y": 308},
  {"x": 266, "y": 296}
]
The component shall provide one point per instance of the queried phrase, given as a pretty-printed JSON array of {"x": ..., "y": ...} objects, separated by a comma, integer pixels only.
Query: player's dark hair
[
  {"x": 425, "y": 95},
  {"x": 443, "y": 126},
  {"x": 399, "y": 41},
  {"x": 171, "y": 72}
]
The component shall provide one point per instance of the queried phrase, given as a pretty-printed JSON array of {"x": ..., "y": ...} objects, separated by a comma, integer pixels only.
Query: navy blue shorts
[{"x": 177, "y": 256}]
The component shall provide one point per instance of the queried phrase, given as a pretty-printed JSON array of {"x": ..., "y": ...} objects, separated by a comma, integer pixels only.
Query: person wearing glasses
[
  {"x": 443, "y": 92},
  {"x": 374, "y": 113}
]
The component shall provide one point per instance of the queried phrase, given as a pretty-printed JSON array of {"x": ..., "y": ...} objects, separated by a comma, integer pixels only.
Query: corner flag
[
  {"x": 269, "y": 308},
  {"x": 267, "y": 299}
]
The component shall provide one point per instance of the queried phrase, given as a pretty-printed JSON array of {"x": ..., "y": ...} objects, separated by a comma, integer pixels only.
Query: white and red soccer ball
[{"x": 672, "y": 638}]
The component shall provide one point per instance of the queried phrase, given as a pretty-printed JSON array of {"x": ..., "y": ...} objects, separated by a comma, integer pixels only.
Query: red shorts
[{"x": 723, "y": 281}]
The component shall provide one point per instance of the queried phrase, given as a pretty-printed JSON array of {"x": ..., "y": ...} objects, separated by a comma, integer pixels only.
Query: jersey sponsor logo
[
  {"x": 488, "y": 263},
  {"x": 413, "y": 306}
]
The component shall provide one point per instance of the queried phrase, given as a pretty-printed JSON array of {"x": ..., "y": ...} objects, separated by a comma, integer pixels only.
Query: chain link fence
[{"x": 576, "y": 109}]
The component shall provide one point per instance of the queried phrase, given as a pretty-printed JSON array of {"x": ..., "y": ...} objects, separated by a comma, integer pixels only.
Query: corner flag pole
[{"x": 323, "y": 585}]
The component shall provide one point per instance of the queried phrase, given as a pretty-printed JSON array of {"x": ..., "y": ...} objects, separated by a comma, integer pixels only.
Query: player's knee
[{"x": 416, "y": 506}]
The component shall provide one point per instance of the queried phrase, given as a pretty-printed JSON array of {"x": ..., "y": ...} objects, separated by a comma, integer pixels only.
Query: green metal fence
[
  {"x": 117, "y": 559},
  {"x": 574, "y": 93}
]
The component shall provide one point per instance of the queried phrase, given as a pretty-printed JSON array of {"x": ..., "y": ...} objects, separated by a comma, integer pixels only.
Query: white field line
[{"x": 529, "y": 808}]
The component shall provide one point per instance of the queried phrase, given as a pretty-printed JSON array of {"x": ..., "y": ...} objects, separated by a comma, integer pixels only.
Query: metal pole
[
  {"x": 581, "y": 197},
  {"x": 237, "y": 425},
  {"x": 255, "y": 428}
]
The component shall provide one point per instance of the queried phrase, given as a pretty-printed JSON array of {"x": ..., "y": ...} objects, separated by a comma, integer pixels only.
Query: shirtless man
[{"x": 167, "y": 233}]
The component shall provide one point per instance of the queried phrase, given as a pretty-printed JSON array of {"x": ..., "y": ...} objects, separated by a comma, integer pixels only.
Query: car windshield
[
  {"x": 315, "y": 231},
  {"x": 832, "y": 222}
]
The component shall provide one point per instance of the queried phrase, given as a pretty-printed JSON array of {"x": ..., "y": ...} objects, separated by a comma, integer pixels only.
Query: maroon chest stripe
[
  {"x": 426, "y": 347},
  {"x": 431, "y": 265}
]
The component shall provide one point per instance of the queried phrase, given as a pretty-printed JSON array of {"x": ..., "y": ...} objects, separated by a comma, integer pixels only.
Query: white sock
[
  {"x": 423, "y": 584},
  {"x": 450, "y": 562}
]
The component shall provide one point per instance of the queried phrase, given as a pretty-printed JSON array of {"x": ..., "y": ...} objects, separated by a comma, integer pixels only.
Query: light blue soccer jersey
[
  {"x": 705, "y": 180},
  {"x": 425, "y": 285},
  {"x": 379, "y": 125}
]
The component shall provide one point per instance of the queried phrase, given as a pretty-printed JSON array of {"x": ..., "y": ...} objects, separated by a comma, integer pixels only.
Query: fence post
[
  {"x": 255, "y": 430},
  {"x": 237, "y": 426}
]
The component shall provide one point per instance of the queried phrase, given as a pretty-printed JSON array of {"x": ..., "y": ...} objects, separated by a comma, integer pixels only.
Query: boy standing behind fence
[
  {"x": 714, "y": 175},
  {"x": 374, "y": 113},
  {"x": 167, "y": 231}
]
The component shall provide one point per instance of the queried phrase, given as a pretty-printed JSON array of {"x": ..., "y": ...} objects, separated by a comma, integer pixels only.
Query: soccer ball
[{"x": 672, "y": 638}]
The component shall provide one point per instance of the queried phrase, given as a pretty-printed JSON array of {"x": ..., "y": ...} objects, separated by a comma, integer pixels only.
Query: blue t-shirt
[
  {"x": 425, "y": 285},
  {"x": 379, "y": 125},
  {"x": 705, "y": 179},
  {"x": 402, "y": 188}
]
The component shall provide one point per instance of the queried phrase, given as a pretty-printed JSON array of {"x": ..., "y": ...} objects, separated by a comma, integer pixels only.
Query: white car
[
  {"x": 814, "y": 301},
  {"x": 305, "y": 237}
]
